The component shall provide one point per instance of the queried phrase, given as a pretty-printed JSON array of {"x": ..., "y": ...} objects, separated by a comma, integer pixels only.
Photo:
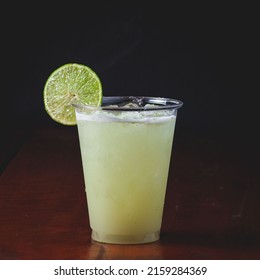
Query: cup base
[{"x": 125, "y": 239}]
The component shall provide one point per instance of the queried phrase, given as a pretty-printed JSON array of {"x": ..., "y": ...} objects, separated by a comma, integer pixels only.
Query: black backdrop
[{"x": 205, "y": 55}]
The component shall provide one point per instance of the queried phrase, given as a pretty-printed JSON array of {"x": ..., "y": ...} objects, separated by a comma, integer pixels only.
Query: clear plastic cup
[{"x": 126, "y": 148}]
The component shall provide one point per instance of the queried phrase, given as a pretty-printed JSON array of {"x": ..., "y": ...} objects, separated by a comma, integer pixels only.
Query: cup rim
[{"x": 139, "y": 102}]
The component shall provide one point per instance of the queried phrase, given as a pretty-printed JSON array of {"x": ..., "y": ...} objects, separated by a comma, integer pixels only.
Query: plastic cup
[{"x": 126, "y": 153}]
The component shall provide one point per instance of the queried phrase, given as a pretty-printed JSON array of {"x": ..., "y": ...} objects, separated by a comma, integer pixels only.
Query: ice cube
[
  {"x": 150, "y": 106},
  {"x": 130, "y": 105}
]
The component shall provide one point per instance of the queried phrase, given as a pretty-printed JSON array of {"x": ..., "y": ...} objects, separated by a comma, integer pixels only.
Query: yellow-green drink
[{"x": 126, "y": 153}]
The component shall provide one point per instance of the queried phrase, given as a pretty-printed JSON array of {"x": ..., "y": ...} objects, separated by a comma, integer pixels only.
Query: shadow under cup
[{"x": 126, "y": 148}]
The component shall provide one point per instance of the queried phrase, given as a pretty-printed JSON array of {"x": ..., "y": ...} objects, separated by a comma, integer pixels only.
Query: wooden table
[{"x": 212, "y": 208}]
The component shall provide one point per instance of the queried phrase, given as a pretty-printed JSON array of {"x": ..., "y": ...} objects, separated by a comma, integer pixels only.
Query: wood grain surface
[{"x": 212, "y": 208}]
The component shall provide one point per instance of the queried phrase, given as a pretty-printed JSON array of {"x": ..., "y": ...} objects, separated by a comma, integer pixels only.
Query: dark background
[{"x": 205, "y": 55}]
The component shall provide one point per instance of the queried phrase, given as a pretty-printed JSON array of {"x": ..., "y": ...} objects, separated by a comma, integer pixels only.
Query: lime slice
[{"x": 71, "y": 83}]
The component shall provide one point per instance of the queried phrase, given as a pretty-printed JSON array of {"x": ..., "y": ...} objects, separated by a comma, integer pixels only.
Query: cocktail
[
  {"x": 126, "y": 152},
  {"x": 126, "y": 145}
]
